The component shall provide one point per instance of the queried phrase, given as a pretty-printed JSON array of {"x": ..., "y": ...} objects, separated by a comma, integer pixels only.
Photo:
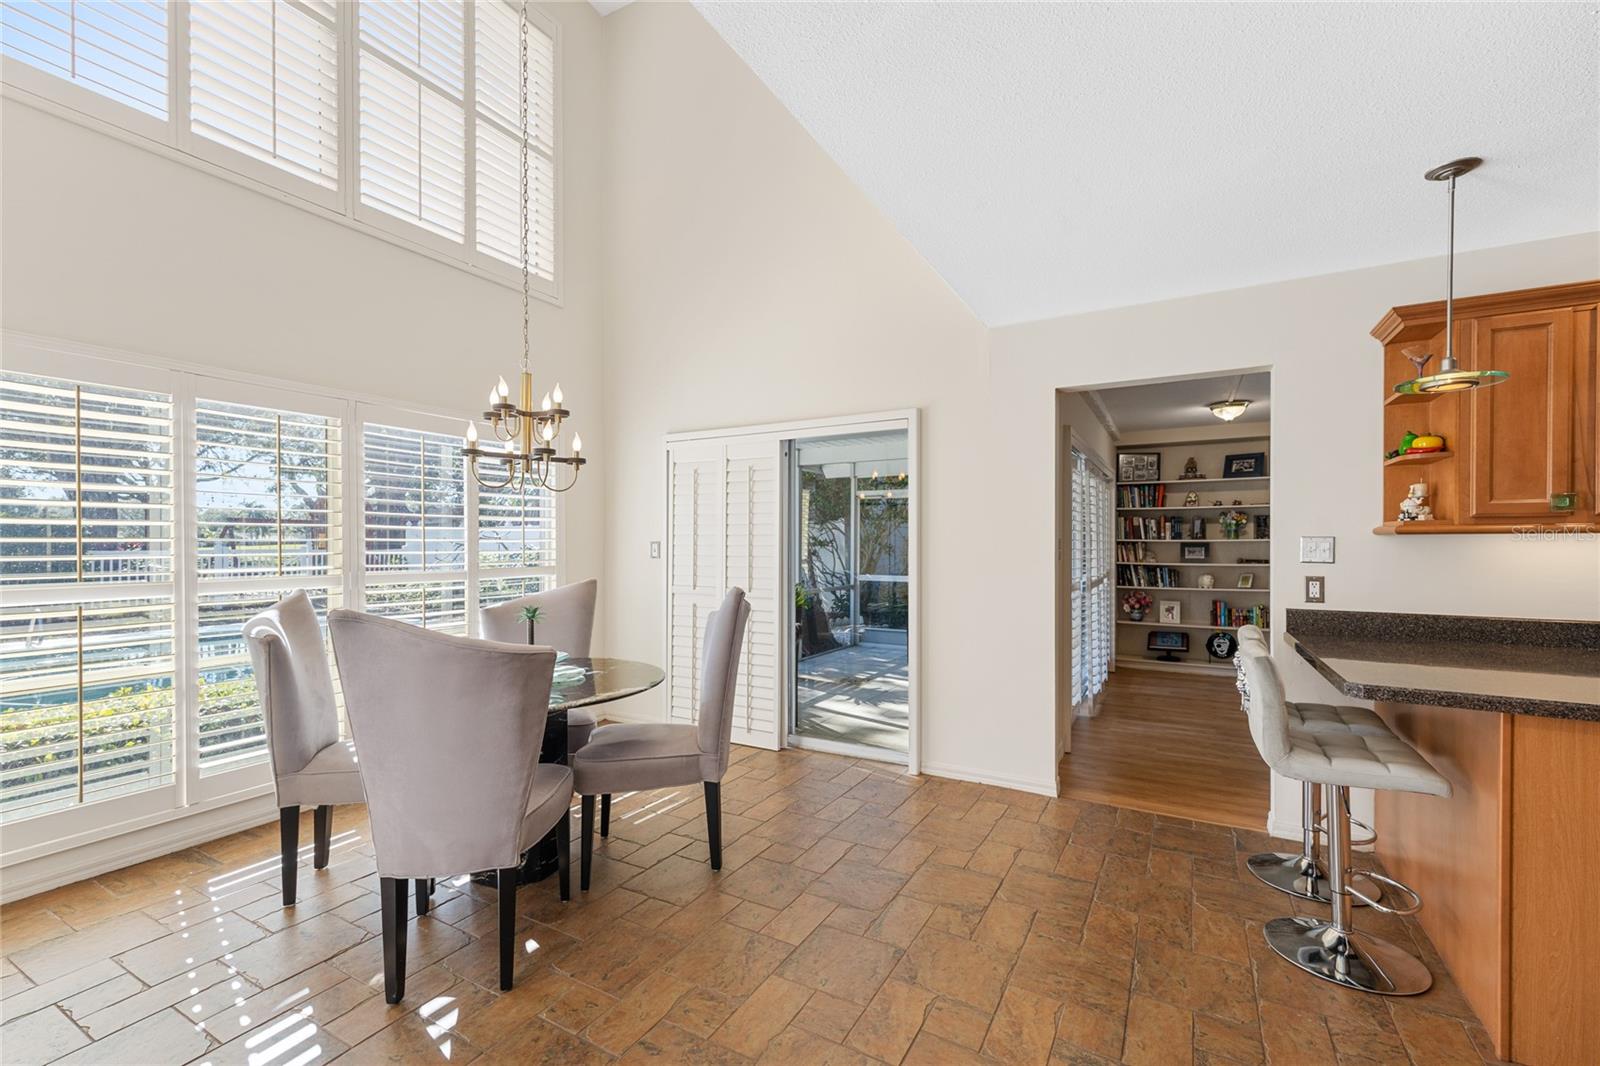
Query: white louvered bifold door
[
  {"x": 752, "y": 542},
  {"x": 724, "y": 530}
]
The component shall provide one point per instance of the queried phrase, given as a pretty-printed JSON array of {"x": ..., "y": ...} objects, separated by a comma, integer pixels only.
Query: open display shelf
[{"x": 1229, "y": 557}]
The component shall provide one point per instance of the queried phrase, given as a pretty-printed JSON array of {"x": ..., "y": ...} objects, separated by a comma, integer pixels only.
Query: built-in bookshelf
[{"x": 1160, "y": 523}]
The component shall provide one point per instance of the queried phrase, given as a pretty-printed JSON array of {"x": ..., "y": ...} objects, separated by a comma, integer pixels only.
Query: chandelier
[{"x": 531, "y": 436}]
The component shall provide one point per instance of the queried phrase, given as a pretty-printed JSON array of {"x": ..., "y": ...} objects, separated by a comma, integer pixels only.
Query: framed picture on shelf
[
  {"x": 1139, "y": 466},
  {"x": 1196, "y": 553},
  {"x": 1197, "y": 528},
  {"x": 1167, "y": 642},
  {"x": 1247, "y": 581},
  {"x": 1171, "y": 612},
  {"x": 1245, "y": 464}
]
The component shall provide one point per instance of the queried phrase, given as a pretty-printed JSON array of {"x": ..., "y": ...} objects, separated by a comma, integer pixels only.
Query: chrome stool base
[
  {"x": 1297, "y": 876},
  {"x": 1352, "y": 959}
]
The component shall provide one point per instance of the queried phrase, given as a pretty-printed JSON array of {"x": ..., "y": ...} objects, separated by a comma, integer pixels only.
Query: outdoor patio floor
[{"x": 855, "y": 695}]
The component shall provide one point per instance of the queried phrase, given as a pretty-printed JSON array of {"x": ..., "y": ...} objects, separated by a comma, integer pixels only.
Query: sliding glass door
[{"x": 851, "y": 551}]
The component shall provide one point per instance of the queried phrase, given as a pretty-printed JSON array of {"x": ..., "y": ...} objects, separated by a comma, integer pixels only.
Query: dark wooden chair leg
[
  {"x": 605, "y": 815},
  {"x": 423, "y": 887},
  {"x": 714, "y": 822},
  {"x": 564, "y": 856},
  {"x": 586, "y": 848},
  {"x": 322, "y": 832},
  {"x": 392, "y": 895},
  {"x": 289, "y": 839},
  {"x": 507, "y": 884}
]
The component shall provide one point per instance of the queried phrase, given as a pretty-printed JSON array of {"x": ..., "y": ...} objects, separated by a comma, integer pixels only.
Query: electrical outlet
[
  {"x": 1316, "y": 589},
  {"x": 655, "y": 549}
]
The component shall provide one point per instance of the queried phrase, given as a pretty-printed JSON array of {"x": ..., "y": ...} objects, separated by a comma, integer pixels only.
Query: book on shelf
[
  {"x": 1154, "y": 527},
  {"x": 1152, "y": 577},
  {"x": 1141, "y": 495},
  {"x": 1223, "y": 614}
]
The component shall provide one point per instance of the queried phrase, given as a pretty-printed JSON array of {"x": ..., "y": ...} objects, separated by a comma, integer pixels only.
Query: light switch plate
[
  {"x": 1316, "y": 549},
  {"x": 655, "y": 549},
  {"x": 1316, "y": 589}
]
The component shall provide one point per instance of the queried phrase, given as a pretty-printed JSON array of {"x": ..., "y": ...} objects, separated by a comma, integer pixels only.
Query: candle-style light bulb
[
  {"x": 472, "y": 433},
  {"x": 503, "y": 389},
  {"x": 544, "y": 404},
  {"x": 557, "y": 394},
  {"x": 549, "y": 432},
  {"x": 494, "y": 396},
  {"x": 577, "y": 443}
]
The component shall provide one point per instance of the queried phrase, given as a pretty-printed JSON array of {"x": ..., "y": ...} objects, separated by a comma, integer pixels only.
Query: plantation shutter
[
  {"x": 115, "y": 48},
  {"x": 1075, "y": 547},
  {"x": 264, "y": 80},
  {"x": 415, "y": 527},
  {"x": 751, "y": 541},
  {"x": 412, "y": 113},
  {"x": 723, "y": 531},
  {"x": 498, "y": 129},
  {"x": 87, "y": 627}
]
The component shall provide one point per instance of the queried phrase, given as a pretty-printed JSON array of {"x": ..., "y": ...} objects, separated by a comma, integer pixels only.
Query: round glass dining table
[{"x": 581, "y": 682}]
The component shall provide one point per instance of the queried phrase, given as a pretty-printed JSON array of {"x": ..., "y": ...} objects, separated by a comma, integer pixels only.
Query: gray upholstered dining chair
[
  {"x": 450, "y": 731},
  {"x": 567, "y": 625},
  {"x": 631, "y": 756},
  {"x": 311, "y": 766}
]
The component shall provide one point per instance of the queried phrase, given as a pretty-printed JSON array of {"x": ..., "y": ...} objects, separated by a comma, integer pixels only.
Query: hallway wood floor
[{"x": 1169, "y": 743}]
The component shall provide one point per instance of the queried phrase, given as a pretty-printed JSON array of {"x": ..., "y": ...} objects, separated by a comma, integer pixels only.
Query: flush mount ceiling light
[
  {"x": 1232, "y": 407},
  {"x": 1228, "y": 410},
  {"x": 1450, "y": 378}
]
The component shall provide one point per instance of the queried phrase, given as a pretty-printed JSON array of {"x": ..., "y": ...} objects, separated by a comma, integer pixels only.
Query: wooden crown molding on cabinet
[{"x": 1421, "y": 321}]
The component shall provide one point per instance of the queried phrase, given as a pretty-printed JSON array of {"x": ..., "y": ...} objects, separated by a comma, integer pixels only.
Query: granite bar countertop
[{"x": 1511, "y": 665}]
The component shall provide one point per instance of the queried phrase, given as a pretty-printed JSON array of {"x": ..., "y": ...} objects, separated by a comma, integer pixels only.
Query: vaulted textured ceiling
[{"x": 1053, "y": 158}]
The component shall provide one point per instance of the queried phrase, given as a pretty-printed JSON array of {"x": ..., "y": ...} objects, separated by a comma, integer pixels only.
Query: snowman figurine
[{"x": 1414, "y": 508}]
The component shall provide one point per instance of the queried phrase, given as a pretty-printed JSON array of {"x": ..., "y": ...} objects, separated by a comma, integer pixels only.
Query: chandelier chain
[{"x": 523, "y": 117}]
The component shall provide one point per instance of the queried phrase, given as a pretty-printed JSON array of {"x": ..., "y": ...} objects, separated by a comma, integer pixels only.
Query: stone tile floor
[{"x": 860, "y": 916}]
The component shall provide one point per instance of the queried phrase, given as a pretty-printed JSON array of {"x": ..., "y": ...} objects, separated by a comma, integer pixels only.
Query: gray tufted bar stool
[
  {"x": 1302, "y": 874},
  {"x": 1332, "y": 948}
]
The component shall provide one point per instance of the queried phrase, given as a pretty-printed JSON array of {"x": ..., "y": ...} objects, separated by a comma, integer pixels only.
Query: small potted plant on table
[{"x": 533, "y": 616}]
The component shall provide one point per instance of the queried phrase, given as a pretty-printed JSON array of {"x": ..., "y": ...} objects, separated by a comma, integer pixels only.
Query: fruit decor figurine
[{"x": 1418, "y": 443}]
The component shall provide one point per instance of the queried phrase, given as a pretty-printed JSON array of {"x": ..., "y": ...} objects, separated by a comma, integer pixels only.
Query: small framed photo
[
  {"x": 1171, "y": 612},
  {"x": 1245, "y": 464},
  {"x": 1197, "y": 528},
  {"x": 1247, "y": 581},
  {"x": 1139, "y": 466},
  {"x": 1196, "y": 553}
]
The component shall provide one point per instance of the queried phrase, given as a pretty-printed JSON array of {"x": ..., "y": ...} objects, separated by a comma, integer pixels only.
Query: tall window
[
  {"x": 430, "y": 133},
  {"x": 416, "y": 528},
  {"x": 264, "y": 81},
  {"x": 133, "y": 553},
  {"x": 1092, "y": 586},
  {"x": 87, "y": 629},
  {"x": 267, "y": 522},
  {"x": 113, "y": 48}
]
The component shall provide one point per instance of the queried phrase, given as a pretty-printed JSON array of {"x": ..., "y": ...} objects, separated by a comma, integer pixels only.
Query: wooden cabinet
[{"x": 1511, "y": 447}]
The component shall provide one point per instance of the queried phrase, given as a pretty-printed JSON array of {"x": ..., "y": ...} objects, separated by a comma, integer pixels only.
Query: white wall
[
  {"x": 750, "y": 281},
  {"x": 1326, "y": 442},
  {"x": 112, "y": 244}
]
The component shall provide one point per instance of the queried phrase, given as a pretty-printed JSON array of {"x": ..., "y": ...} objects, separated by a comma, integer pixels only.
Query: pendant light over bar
[
  {"x": 532, "y": 434},
  {"x": 1450, "y": 378}
]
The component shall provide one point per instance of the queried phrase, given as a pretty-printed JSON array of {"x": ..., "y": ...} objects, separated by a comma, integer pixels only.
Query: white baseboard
[
  {"x": 30, "y": 876},
  {"x": 962, "y": 773}
]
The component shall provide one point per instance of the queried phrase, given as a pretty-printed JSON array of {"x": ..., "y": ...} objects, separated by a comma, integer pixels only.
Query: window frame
[
  {"x": 190, "y": 794},
  {"x": 174, "y": 139}
]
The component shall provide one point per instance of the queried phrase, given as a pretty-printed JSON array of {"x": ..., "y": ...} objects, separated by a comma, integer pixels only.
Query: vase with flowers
[
  {"x": 1232, "y": 523},
  {"x": 1136, "y": 604}
]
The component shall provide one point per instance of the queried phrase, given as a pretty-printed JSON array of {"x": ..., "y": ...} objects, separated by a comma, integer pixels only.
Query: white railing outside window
[
  {"x": 399, "y": 118},
  {"x": 147, "y": 512}
]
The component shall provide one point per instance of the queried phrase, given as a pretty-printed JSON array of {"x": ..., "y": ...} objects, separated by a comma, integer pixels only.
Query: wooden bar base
[{"x": 1506, "y": 870}]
